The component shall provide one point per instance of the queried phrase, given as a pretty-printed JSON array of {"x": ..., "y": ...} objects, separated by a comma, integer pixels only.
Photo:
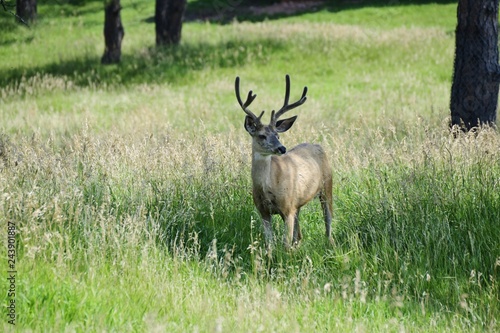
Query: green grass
[{"x": 130, "y": 184}]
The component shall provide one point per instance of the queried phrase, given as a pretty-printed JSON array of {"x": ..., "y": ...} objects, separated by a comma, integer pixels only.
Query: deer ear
[
  {"x": 250, "y": 125},
  {"x": 285, "y": 124}
]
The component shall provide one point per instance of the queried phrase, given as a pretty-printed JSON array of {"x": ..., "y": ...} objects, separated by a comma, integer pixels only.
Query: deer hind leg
[
  {"x": 325, "y": 197},
  {"x": 297, "y": 235}
]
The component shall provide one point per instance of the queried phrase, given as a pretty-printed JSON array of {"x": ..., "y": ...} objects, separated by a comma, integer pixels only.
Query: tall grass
[
  {"x": 415, "y": 231},
  {"x": 130, "y": 184}
]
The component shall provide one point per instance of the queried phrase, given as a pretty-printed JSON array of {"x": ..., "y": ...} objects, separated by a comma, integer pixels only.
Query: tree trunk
[
  {"x": 113, "y": 33},
  {"x": 474, "y": 91},
  {"x": 26, "y": 10},
  {"x": 168, "y": 19}
]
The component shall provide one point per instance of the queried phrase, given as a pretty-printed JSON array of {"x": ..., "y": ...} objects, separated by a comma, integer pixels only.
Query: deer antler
[
  {"x": 249, "y": 101},
  {"x": 287, "y": 107}
]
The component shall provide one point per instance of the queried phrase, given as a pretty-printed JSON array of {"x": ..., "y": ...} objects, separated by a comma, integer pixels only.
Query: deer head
[{"x": 265, "y": 138}]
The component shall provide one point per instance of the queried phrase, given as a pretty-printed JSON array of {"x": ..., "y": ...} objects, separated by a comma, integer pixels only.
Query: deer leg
[
  {"x": 297, "y": 235},
  {"x": 289, "y": 229},
  {"x": 326, "y": 203},
  {"x": 268, "y": 230}
]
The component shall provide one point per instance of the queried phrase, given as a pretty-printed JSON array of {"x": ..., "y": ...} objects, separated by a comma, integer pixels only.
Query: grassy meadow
[{"x": 129, "y": 185}]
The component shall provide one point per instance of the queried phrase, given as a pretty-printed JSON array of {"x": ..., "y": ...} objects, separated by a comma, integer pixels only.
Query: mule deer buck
[{"x": 284, "y": 181}]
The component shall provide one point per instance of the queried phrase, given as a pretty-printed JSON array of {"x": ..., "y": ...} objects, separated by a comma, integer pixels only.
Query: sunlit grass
[{"x": 95, "y": 212}]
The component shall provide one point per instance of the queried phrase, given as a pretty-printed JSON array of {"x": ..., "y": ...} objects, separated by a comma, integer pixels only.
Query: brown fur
[{"x": 282, "y": 184}]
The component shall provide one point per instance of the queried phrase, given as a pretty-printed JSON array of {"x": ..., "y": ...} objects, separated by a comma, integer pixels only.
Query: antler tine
[
  {"x": 249, "y": 101},
  {"x": 287, "y": 90},
  {"x": 287, "y": 107}
]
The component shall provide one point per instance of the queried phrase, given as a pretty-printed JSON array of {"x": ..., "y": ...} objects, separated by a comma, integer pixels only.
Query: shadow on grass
[
  {"x": 225, "y": 11},
  {"x": 152, "y": 65},
  {"x": 175, "y": 64}
]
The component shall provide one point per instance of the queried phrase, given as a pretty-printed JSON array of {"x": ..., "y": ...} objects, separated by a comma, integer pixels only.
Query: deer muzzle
[{"x": 281, "y": 150}]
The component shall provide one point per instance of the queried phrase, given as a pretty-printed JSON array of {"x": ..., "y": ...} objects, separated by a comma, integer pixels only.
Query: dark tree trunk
[
  {"x": 168, "y": 19},
  {"x": 113, "y": 33},
  {"x": 474, "y": 91},
  {"x": 26, "y": 10}
]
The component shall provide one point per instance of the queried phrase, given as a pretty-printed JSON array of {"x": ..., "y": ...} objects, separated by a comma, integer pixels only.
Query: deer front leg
[
  {"x": 268, "y": 230},
  {"x": 297, "y": 235},
  {"x": 289, "y": 229}
]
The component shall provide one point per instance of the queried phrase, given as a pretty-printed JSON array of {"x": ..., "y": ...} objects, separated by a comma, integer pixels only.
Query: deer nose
[{"x": 282, "y": 149}]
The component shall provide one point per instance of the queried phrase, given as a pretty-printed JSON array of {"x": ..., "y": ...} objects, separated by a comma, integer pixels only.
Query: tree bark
[
  {"x": 113, "y": 33},
  {"x": 474, "y": 91},
  {"x": 168, "y": 19},
  {"x": 26, "y": 9}
]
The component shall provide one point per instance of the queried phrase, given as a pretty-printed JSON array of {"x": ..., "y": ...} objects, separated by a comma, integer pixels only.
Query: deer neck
[{"x": 261, "y": 170}]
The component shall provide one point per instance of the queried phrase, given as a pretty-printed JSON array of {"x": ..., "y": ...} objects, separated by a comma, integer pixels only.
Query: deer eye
[{"x": 262, "y": 137}]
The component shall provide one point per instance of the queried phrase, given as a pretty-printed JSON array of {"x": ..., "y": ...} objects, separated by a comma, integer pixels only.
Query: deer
[{"x": 285, "y": 180}]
